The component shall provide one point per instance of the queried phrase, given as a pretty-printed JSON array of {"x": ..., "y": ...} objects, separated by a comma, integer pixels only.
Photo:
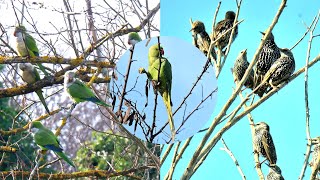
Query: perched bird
[
  {"x": 164, "y": 83},
  {"x": 316, "y": 155},
  {"x": 27, "y": 46},
  {"x": 222, "y": 27},
  {"x": 269, "y": 54},
  {"x": 78, "y": 91},
  {"x": 240, "y": 66},
  {"x": 30, "y": 75},
  {"x": 204, "y": 42},
  {"x": 46, "y": 140},
  {"x": 280, "y": 70},
  {"x": 133, "y": 38},
  {"x": 264, "y": 144},
  {"x": 274, "y": 173}
]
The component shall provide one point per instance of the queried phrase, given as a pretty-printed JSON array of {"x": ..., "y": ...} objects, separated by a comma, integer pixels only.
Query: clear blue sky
[
  {"x": 284, "y": 112},
  {"x": 183, "y": 79}
]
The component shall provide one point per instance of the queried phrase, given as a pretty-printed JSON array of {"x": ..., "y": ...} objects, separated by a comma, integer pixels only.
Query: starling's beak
[
  {"x": 252, "y": 124},
  {"x": 245, "y": 51},
  {"x": 191, "y": 29},
  {"x": 262, "y": 33}
]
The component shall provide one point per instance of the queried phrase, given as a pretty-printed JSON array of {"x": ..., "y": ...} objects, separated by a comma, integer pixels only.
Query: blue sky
[
  {"x": 183, "y": 79},
  {"x": 284, "y": 112}
]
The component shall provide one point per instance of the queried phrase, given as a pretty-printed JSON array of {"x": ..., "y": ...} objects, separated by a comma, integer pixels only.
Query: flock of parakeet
[
  {"x": 74, "y": 87},
  {"x": 273, "y": 67}
]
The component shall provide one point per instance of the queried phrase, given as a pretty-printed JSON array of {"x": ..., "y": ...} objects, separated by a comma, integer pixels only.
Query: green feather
[
  {"x": 165, "y": 79},
  {"x": 47, "y": 140}
]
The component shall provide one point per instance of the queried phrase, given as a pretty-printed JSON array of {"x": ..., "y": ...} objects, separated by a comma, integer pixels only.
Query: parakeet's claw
[{"x": 142, "y": 70}]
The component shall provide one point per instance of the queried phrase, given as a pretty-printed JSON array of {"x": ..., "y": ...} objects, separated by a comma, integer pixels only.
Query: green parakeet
[
  {"x": 30, "y": 75},
  {"x": 78, "y": 91},
  {"x": 27, "y": 46},
  {"x": 46, "y": 140},
  {"x": 164, "y": 83},
  {"x": 133, "y": 38}
]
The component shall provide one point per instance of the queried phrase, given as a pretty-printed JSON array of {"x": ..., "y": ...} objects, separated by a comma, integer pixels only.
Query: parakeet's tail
[
  {"x": 43, "y": 69},
  {"x": 98, "y": 101},
  {"x": 64, "y": 157},
  {"x": 167, "y": 101},
  {"x": 39, "y": 93}
]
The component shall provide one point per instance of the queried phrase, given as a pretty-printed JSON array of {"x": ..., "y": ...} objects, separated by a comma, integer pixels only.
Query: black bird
[
  {"x": 240, "y": 66},
  {"x": 269, "y": 54},
  {"x": 223, "y": 26}
]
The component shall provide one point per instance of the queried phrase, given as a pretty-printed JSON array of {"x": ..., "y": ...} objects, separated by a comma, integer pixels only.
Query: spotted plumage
[
  {"x": 222, "y": 27},
  {"x": 240, "y": 66},
  {"x": 269, "y": 54},
  {"x": 280, "y": 70},
  {"x": 275, "y": 173},
  {"x": 264, "y": 144},
  {"x": 315, "y": 155},
  {"x": 204, "y": 41}
]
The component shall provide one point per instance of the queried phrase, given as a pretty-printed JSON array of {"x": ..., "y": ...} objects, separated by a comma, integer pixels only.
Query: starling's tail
[
  {"x": 167, "y": 101},
  {"x": 39, "y": 93},
  {"x": 64, "y": 157}
]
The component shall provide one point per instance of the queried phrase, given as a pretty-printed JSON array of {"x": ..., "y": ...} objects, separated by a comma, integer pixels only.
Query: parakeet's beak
[
  {"x": 162, "y": 52},
  {"x": 15, "y": 33},
  {"x": 129, "y": 42}
]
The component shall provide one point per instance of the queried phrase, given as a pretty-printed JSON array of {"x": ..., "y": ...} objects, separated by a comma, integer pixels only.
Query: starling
[
  {"x": 268, "y": 55},
  {"x": 264, "y": 144},
  {"x": 280, "y": 70},
  {"x": 240, "y": 66},
  {"x": 274, "y": 173},
  {"x": 315, "y": 155},
  {"x": 222, "y": 27},
  {"x": 204, "y": 42}
]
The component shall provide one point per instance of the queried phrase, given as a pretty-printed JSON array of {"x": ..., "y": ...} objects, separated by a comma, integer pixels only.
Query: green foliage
[{"x": 105, "y": 150}]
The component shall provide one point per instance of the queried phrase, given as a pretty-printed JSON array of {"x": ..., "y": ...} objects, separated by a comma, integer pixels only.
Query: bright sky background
[
  {"x": 183, "y": 79},
  {"x": 284, "y": 112}
]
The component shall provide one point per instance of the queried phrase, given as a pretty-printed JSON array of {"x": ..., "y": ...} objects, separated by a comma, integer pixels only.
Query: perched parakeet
[
  {"x": 46, "y": 140},
  {"x": 26, "y": 45},
  {"x": 78, "y": 91},
  {"x": 133, "y": 38},
  {"x": 30, "y": 75},
  {"x": 164, "y": 83}
]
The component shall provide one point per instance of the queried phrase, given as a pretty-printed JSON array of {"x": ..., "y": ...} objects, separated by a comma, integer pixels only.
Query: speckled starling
[
  {"x": 280, "y": 70},
  {"x": 315, "y": 155},
  {"x": 240, "y": 66},
  {"x": 204, "y": 41},
  {"x": 275, "y": 173},
  {"x": 263, "y": 142},
  {"x": 222, "y": 27},
  {"x": 268, "y": 55}
]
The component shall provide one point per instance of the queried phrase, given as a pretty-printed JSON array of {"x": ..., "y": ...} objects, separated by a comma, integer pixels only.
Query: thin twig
[{"x": 229, "y": 152}]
